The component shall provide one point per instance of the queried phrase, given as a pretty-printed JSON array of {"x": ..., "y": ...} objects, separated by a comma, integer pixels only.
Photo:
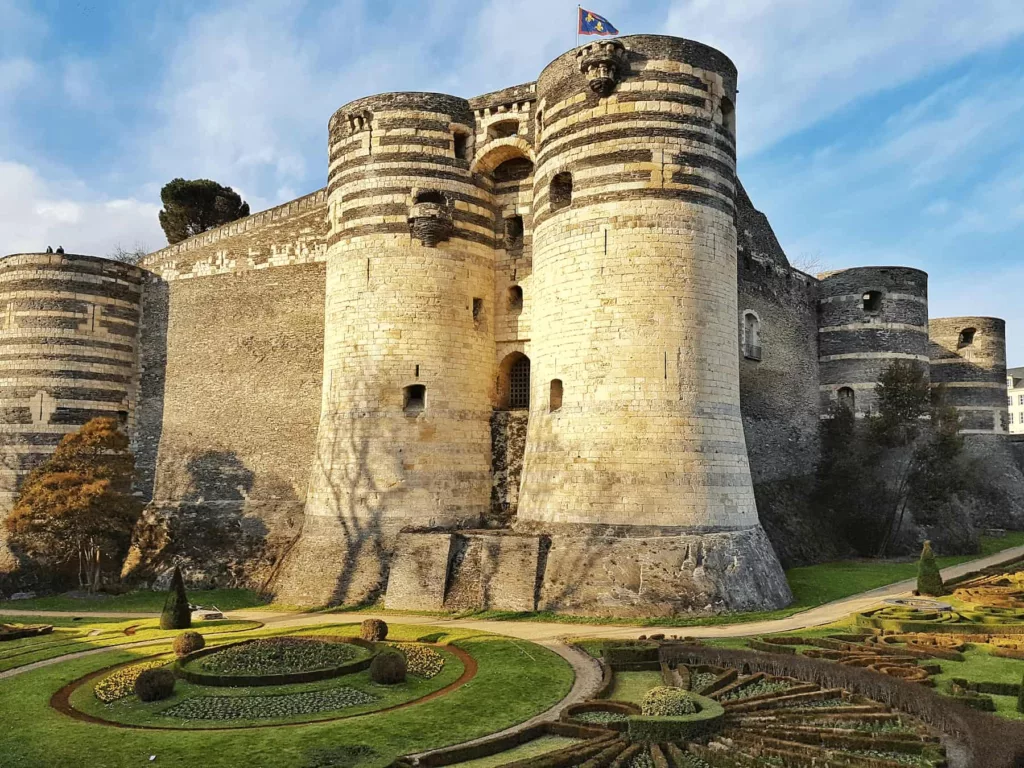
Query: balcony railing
[{"x": 752, "y": 352}]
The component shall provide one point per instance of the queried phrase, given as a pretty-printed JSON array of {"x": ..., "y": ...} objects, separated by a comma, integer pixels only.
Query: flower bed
[
  {"x": 278, "y": 656},
  {"x": 268, "y": 707},
  {"x": 422, "y": 660},
  {"x": 122, "y": 682},
  {"x": 21, "y": 631}
]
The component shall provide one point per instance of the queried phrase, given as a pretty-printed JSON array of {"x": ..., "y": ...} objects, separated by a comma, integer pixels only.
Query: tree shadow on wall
[{"x": 231, "y": 527}]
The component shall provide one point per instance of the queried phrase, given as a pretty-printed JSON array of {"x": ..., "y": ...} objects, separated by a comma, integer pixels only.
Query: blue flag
[{"x": 593, "y": 24}]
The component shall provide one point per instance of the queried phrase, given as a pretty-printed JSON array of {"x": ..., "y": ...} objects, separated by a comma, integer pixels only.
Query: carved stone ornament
[
  {"x": 431, "y": 223},
  {"x": 603, "y": 63}
]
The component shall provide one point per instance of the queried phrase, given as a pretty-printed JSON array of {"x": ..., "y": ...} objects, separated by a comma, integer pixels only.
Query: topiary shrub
[
  {"x": 373, "y": 630},
  {"x": 388, "y": 668},
  {"x": 188, "y": 642},
  {"x": 668, "y": 702},
  {"x": 1020, "y": 697},
  {"x": 176, "y": 613},
  {"x": 154, "y": 684},
  {"x": 929, "y": 580}
]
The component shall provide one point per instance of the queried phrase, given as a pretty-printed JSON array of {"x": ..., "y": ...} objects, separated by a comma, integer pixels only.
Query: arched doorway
[{"x": 509, "y": 422}]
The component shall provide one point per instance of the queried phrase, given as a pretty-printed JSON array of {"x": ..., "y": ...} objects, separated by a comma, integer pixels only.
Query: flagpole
[{"x": 579, "y": 10}]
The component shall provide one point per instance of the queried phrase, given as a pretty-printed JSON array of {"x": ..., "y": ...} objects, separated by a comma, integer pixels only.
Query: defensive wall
[{"x": 532, "y": 349}]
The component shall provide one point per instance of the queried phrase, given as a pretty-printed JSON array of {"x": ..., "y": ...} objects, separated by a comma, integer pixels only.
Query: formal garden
[{"x": 928, "y": 681}]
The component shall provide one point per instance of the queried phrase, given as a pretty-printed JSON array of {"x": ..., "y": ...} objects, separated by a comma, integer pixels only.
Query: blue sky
[{"x": 870, "y": 131}]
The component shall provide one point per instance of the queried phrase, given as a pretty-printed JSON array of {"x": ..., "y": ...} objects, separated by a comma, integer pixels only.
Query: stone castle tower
[
  {"x": 535, "y": 349},
  {"x": 615, "y": 187}
]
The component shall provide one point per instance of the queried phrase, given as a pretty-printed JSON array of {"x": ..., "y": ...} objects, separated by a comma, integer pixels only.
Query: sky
[{"x": 869, "y": 131}]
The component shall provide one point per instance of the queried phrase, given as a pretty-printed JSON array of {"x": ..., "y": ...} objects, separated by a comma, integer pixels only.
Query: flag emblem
[{"x": 594, "y": 24}]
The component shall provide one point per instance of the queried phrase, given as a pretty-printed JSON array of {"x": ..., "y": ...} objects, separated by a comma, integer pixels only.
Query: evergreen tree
[
  {"x": 176, "y": 614},
  {"x": 192, "y": 206},
  {"x": 929, "y": 580},
  {"x": 79, "y": 502}
]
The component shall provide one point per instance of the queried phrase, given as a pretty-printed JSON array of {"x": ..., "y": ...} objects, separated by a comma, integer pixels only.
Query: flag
[{"x": 593, "y": 24}]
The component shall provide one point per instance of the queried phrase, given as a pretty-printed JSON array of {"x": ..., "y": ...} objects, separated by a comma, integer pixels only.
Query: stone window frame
[
  {"x": 728, "y": 110},
  {"x": 516, "y": 299},
  {"x": 871, "y": 300},
  {"x": 560, "y": 191},
  {"x": 461, "y": 145},
  {"x": 849, "y": 400},
  {"x": 556, "y": 391},
  {"x": 751, "y": 347},
  {"x": 499, "y": 129},
  {"x": 967, "y": 337},
  {"x": 414, "y": 399}
]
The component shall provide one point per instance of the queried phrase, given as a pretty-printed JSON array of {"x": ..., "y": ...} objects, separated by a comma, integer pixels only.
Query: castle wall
[
  {"x": 69, "y": 328},
  {"x": 869, "y": 317},
  {"x": 971, "y": 371},
  {"x": 400, "y": 326},
  {"x": 635, "y": 315},
  {"x": 232, "y": 354}
]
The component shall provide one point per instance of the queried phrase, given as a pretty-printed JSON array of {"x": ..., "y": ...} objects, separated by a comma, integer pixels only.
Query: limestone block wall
[
  {"x": 635, "y": 317},
  {"x": 69, "y": 339},
  {"x": 404, "y": 436},
  {"x": 968, "y": 361},
  {"x": 868, "y": 317}
]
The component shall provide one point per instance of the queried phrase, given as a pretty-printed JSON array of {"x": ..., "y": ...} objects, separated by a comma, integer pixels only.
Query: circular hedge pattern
[{"x": 278, "y": 656}]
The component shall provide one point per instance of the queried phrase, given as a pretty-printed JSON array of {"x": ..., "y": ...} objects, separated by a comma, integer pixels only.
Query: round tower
[
  {"x": 635, "y": 463},
  {"x": 968, "y": 362},
  {"x": 868, "y": 317},
  {"x": 404, "y": 436},
  {"x": 69, "y": 328}
]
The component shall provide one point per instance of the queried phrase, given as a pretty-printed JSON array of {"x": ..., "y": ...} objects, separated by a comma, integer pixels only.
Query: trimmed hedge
[
  {"x": 176, "y": 613},
  {"x": 373, "y": 630},
  {"x": 154, "y": 684},
  {"x": 992, "y": 741},
  {"x": 188, "y": 642},
  {"x": 247, "y": 681},
  {"x": 705, "y": 721},
  {"x": 20, "y": 632},
  {"x": 632, "y": 656},
  {"x": 996, "y": 689},
  {"x": 388, "y": 668}
]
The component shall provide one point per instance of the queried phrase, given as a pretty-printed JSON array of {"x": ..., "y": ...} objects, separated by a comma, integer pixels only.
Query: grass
[
  {"x": 134, "y": 712},
  {"x": 631, "y": 686},
  {"x": 69, "y": 636},
  {"x": 142, "y": 601},
  {"x": 981, "y": 666},
  {"x": 535, "y": 748},
  {"x": 516, "y": 680}
]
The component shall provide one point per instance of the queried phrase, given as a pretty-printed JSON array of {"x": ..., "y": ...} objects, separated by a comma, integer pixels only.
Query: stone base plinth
[{"x": 616, "y": 575}]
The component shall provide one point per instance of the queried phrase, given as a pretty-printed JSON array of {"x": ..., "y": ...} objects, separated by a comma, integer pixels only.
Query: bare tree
[
  {"x": 811, "y": 262},
  {"x": 129, "y": 256}
]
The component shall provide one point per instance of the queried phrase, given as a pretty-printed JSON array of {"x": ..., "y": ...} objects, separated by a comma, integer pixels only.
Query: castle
[{"x": 530, "y": 350}]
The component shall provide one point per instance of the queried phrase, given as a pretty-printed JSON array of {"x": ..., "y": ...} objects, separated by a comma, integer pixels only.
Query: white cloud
[
  {"x": 801, "y": 60},
  {"x": 35, "y": 213}
]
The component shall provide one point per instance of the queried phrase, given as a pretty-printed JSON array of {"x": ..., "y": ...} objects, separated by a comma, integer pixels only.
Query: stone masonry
[{"x": 534, "y": 349}]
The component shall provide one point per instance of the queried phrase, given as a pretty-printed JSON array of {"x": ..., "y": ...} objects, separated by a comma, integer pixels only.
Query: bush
[
  {"x": 668, "y": 702},
  {"x": 373, "y": 630},
  {"x": 188, "y": 642},
  {"x": 154, "y": 684},
  {"x": 176, "y": 614},
  {"x": 388, "y": 668},
  {"x": 929, "y": 580},
  {"x": 1020, "y": 698}
]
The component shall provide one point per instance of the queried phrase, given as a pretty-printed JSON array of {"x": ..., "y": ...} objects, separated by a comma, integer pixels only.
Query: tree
[
  {"x": 79, "y": 502},
  {"x": 929, "y": 580},
  {"x": 128, "y": 256},
  {"x": 192, "y": 206},
  {"x": 176, "y": 613}
]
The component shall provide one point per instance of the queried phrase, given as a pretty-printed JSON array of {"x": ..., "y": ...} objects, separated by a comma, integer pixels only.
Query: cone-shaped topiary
[
  {"x": 929, "y": 580},
  {"x": 154, "y": 684},
  {"x": 176, "y": 614},
  {"x": 373, "y": 630},
  {"x": 388, "y": 668},
  {"x": 188, "y": 642}
]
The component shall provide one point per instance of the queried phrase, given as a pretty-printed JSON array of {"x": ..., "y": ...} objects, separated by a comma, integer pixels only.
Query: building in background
[{"x": 1015, "y": 399}]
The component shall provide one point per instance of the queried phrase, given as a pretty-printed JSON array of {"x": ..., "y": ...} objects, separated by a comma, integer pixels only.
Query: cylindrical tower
[
  {"x": 868, "y": 317},
  {"x": 635, "y": 462},
  {"x": 968, "y": 360},
  {"x": 69, "y": 329},
  {"x": 404, "y": 437}
]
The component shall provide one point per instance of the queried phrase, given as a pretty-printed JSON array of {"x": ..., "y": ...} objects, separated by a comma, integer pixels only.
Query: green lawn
[
  {"x": 535, "y": 748},
  {"x": 515, "y": 681},
  {"x": 70, "y": 636},
  {"x": 631, "y": 686},
  {"x": 143, "y": 601}
]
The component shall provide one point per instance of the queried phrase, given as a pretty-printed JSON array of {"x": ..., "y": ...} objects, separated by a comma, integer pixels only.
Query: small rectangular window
[
  {"x": 414, "y": 398},
  {"x": 478, "y": 309},
  {"x": 461, "y": 146},
  {"x": 1020, "y": 399}
]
